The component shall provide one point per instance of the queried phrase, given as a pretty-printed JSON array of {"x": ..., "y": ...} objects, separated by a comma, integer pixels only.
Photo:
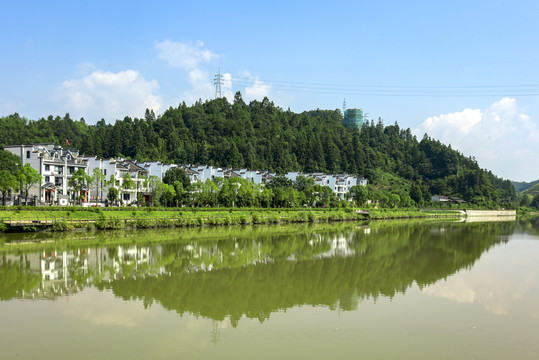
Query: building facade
[
  {"x": 56, "y": 165},
  {"x": 353, "y": 118}
]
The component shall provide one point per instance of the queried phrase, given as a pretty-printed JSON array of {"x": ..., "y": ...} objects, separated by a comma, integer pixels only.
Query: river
[{"x": 378, "y": 290}]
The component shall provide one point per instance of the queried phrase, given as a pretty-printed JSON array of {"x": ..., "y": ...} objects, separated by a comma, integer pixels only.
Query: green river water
[{"x": 378, "y": 290}]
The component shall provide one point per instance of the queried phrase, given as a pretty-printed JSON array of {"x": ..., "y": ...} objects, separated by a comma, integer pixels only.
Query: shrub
[
  {"x": 101, "y": 221},
  {"x": 243, "y": 220},
  {"x": 143, "y": 223},
  {"x": 256, "y": 218},
  {"x": 274, "y": 218},
  {"x": 61, "y": 225},
  {"x": 3, "y": 226}
]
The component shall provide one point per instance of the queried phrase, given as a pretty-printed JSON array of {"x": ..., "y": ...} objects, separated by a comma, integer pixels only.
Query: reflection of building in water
[
  {"x": 59, "y": 272},
  {"x": 137, "y": 261},
  {"x": 54, "y": 266},
  {"x": 340, "y": 246},
  {"x": 67, "y": 272},
  {"x": 207, "y": 258}
]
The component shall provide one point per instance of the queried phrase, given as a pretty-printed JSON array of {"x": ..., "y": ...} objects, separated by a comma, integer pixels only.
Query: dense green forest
[
  {"x": 523, "y": 186},
  {"x": 262, "y": 136}
]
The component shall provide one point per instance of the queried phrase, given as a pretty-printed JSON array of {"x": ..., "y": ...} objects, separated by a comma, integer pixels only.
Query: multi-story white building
[
  {"x": 56, "y": 165},
  {"x": 118, "y": 169},
  {"x": 339, "y": 183},
  {"x": 156, "y": 168}
]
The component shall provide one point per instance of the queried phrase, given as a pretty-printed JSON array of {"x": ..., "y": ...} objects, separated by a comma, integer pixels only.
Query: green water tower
[{"x": 353, "y": 117}]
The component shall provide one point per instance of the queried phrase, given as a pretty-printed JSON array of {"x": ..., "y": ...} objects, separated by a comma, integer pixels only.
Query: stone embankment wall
[{"x": 491, "y": 212}]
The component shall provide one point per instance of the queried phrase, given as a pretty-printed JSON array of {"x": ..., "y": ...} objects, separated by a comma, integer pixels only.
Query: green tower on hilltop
[{"x": 353, "y": 117}]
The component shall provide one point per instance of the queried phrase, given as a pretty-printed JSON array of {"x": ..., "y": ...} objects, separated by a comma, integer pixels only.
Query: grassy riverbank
[{"x": 21, "y": 219}]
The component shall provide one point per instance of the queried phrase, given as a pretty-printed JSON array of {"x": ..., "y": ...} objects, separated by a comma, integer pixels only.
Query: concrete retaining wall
[{"x": 491, "y": 213}]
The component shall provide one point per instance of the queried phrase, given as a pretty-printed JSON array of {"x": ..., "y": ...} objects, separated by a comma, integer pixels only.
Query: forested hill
[
  {"x": 260, "y": 135},
  {"x": 523, "y": 186}
]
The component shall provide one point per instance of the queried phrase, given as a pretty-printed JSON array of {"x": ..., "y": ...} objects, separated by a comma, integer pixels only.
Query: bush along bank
[{"x": 66, "y": 219}]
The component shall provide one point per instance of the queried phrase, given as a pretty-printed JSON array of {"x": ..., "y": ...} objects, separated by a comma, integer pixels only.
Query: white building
[
  {"x": 119, "y": 168},
  {"x": 56, "y": 165}
]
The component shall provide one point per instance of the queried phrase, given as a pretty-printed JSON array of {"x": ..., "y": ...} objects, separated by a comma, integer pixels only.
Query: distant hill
[
  {"x": 522, "y": 186},
  {"x": 534, "y": 190},
  {"x": 261, "y": 136}
]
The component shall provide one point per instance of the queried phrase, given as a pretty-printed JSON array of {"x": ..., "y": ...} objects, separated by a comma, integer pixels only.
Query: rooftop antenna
[{"x": 218, "y": 81}]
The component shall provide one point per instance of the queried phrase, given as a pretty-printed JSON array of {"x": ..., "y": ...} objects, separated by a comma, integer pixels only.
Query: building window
[
  {"x": 127, "y": 197},
  {"x": 47, "y": 179},
  {"x": 47, "y": 168},
  {"x": 105, "y": 172},
  {"x": 70, "y": 170},
  {"x": 328, "y": 182},
  {"x": 58, "y": 181},
  {"x": 28, "y": 154}
]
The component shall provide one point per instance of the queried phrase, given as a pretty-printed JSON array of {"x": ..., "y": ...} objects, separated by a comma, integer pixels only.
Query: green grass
[{"x": 63, "y": 219}]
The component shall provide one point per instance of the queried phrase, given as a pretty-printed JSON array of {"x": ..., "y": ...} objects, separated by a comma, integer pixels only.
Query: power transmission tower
[
  {"x": 218, "y": 81},
  {"x": 343, "y": 106}
]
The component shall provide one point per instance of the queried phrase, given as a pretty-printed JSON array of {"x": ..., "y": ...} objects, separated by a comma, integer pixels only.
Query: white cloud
[
  {"x": 201, "y": 86},
  {"x": 85, "y": 68},
  {"x": 192, "y": 58},
  {"x": 501, "y": 138},
  {"x": 258, "y": 90},
  {"x": 8, "y": 107},
  {"x": 502, "y": 281},
  {"x": 184, "y": 55},
  {"x": 104, "y": 309},
  {"x": 226, "y": 87},
  {"x": 108, "y": 95}
]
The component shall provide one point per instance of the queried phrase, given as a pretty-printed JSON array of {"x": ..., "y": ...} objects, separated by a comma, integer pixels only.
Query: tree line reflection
[{"x": 255, "y": 273}]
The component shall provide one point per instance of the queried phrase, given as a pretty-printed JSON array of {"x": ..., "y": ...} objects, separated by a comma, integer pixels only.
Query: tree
[
  {"x": 177, "y": 174},
  {"x": 128, "y": 183},
  {"x": 9, "y": 162},
  {"x": 535, "y": 202},
  {"x": 322, "y": 195},
  {"x": 279, "y": 182},
  {"x": 265, "y": 197},
  {"x": 417, "y": 195},
  {"x": 8, "y": 183},
  {"x": 80, "y": 182},
  {"x": 167, "y": 193},
  {"x": 9, "y": 167},
  {"x": 303, "y": 183},
  {"x": 98, "y": 179},
  {"x": 28, "y": 177},
  {"x": 359, "y": 194},
  {"x": 142, "y": 182},
  {"x": 179, "y": 192},
  {"x": 113, "y": 194},
  {"x": 111, "y": 184}
]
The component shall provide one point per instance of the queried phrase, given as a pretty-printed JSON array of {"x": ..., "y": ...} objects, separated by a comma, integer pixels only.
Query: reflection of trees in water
[
  {"x": 387, "y": 261},
  {"x": 254, "y": 273}
]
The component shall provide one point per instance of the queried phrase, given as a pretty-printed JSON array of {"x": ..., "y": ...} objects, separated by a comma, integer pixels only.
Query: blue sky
[{"x": 465, "y": 72}]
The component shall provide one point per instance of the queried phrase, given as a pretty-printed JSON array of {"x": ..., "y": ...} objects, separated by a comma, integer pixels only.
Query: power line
[
  {"x": 396, "y": 90},
  {"x": 401, "y": 92},
  {"x": 386, "y": 86}
]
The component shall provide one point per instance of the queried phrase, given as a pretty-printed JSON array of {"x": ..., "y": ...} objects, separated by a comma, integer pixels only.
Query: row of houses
[{"x": 57, "y": 165}]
